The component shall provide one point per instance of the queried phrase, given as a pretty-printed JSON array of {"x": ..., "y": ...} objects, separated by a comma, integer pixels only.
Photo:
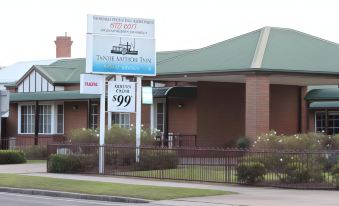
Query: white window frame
[
  {"x": 121, "y": 114},
  {"x": 54, "y": 107},
  {"x": 92, "y": 116},
  {"x": 155, "y": 114}
]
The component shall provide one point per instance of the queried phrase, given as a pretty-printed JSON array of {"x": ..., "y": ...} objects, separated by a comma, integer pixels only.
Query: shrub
[
  {"x": 81, "y": 136},
  {"x": 120, "y": 157},
  {"x": 60, "y": 163},
  {"x": 243, "y": 143},
  {"x": 12, "y": 157},
  {"x": 126, "y": 136},
  {"x": 115, "y": 135},
  {"x": 250, "y": 172},
  {"x": 84, "y": 136},
  {"x": 157, "y": 159},
  {"x": 36, "y": 152},
  {"x": 297, "y": 172},
  {"x": 297, "y": 142}
]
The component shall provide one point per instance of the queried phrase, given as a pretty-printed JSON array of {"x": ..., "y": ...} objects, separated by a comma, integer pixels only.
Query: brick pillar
[
  {"x": 63, "y": 46},
  {"x": 303, "y": 110},
  {"x": 257, "y": 115}
]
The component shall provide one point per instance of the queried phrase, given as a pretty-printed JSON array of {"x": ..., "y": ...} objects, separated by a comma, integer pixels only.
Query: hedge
[
  {"x": 60, "y": 163},
  {"x": 12, "y": 157}
]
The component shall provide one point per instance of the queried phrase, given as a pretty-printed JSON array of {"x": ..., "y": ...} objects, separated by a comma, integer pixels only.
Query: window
[
  {"x": 51, "y": 119},
  {"x": 60, "y": 119},
  {"x": 27, "y": 119},
  {"x": 332, "y": 124},
  {"x": 121, "y": 119},
  {"x": 160, "y": 116},
  {"x": 93, "y": 117},
  {"x": 45, "y": 119}
]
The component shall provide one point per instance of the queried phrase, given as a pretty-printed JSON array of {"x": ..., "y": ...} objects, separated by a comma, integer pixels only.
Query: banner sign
[
  {"x": 120, "y": 55},
  {"x": 91, "y": 83},
  {"x": 120, "y": 26},
  {"x": 121, "y": 96},
  {"x": 147, "y": 95}
]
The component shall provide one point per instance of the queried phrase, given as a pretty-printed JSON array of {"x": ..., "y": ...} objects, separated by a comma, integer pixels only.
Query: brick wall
[
  {"x": 182, "y": 120},
  {"x": 284, "y": 108},
  {"x": 220, "y": 113},
  {"x": 257, "y": 105}
]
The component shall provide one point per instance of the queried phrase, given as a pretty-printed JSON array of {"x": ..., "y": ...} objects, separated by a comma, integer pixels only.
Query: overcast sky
[{"x": 29, "y": 27}]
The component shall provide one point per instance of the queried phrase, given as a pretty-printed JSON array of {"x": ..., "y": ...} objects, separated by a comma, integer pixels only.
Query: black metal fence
[{"x": 313, "y": 170}]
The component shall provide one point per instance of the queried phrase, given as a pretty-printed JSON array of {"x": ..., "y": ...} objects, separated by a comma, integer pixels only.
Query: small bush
[
  {"x": 36, "y": 152},
  {"x": 297, "y": 172},
  {"x": 84, "y": 136},
  {"x": 120, "y": 157},
  {"x": 156, "y": 160},
  {"x": 250, "y": 172},
  {"x": 243, "y": 143},
  {"x": 60, "y": 163},
  {"x": 12, "y": 157}
]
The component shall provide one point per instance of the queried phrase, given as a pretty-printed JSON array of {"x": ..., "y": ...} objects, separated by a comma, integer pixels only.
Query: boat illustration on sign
[{"x": 124, "y": 48}]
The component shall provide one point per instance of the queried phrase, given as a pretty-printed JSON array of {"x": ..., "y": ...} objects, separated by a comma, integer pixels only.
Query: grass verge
[
  {"x": 103, "y": 188},
  {"x": 36, "y": 161}
]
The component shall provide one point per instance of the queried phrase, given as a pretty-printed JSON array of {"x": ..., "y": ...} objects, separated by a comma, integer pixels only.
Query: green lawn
[
  {"x": 195, "y": 173},
  {"x": 36, "y": 161},
  {"x": 102, "y": 188}
]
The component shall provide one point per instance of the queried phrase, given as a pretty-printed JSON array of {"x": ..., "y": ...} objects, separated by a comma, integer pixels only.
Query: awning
[
  {"x": 323, "y": 95},
  {"x": 49, "y": 96},
  {"x": 325, "y": 105},
  {"x": 188, "y": 92}
]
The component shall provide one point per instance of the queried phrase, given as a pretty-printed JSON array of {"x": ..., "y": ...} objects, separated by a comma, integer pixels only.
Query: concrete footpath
[{"x": 251, "y": 196}]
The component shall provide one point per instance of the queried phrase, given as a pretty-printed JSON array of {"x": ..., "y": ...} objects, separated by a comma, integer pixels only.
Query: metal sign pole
[
  {"x": 102, "y": 126},
  {"x": 138, "y": 119}
]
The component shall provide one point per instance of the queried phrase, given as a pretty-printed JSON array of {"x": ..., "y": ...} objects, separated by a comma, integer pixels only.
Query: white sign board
[
  {"x": 120, "y": 26},
  {"x": 120, "y": 55},
  {"x": 91, "y": 83},
  {"x": 147, "y": 95},
  {"x": 121, "y": 96}
]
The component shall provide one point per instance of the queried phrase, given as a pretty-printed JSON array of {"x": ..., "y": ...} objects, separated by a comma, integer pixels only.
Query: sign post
[
  {"x": 120, "y": 46},
  {"x": 102, "y": 126}
]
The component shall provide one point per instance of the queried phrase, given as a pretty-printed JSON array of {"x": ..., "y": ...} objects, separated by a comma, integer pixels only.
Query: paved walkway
[
  {"x": 250, "y": 196},
  {"x": 23, "y": 168}
]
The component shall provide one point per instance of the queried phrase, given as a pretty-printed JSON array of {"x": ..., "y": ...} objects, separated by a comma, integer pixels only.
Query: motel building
[{"x": 245, "y": 86}]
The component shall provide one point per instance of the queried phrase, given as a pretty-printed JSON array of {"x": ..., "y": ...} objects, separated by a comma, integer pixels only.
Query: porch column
[
  {"x": 257, "y": 117},
  {"x": 36, "y": 129},
  {"x": 304, "y": 121}
]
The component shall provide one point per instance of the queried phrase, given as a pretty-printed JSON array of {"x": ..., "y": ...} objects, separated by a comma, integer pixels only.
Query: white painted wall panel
[
  {"x": 26, "y": 85},
  {"x": 59, "y": 88},
  {"x": 50, "y": 87},
  {"x": 38, "y": 82},
  {"x": 44, "y": 85},
  {"x": 32, "y": 82}
]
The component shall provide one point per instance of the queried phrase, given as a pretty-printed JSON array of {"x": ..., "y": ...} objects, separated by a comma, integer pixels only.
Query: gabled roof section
[
  {"x": 294, "y": 51},
  {"x": 234, "y": 54},
  {"x": 166, "y": 55},
  {"x": 269, "y": 49},
  {"x": 65, "y": 71}
]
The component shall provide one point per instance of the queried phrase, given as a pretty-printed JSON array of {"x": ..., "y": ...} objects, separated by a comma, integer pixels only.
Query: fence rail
[{"x": 312, "y": 170}]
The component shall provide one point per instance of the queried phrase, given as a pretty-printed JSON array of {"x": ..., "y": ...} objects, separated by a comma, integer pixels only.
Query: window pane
[{"x": 60, "y": 119}]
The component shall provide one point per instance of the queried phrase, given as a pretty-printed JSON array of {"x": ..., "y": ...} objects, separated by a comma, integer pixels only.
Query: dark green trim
[{"x": 50, "y": 96}]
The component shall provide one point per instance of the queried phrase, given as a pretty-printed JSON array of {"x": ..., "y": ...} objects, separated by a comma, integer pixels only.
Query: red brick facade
[{"x": 257, "y": 105}]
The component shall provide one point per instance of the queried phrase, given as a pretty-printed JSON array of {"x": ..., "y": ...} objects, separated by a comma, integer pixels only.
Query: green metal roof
[
  {"x": 188, "y": 92},
  {"x": 323, "y": 105},
  {"x": 284, "y": 50},
  {"x": 230, "y": 55},
  {"x": 322, "y": 94},
  {"x": 49, "y": 96}
]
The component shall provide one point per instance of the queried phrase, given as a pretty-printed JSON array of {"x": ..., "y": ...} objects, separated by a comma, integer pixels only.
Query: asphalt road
[{"x": 11, "y": 199}]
